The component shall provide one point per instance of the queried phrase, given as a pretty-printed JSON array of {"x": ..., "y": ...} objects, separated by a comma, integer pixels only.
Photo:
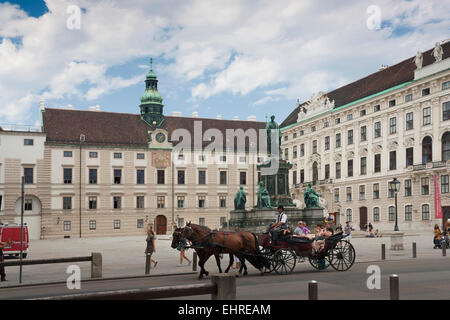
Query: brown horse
[{"x": 243, "y": 244}]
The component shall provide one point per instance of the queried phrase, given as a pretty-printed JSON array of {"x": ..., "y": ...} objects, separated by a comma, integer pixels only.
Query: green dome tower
[{"x": 151, "y": 101}]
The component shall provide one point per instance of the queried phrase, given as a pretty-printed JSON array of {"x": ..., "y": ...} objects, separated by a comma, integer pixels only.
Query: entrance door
[
  {"x": 161, "y": 224},
  {"x": 362, "y": 217},
  {"x": 445, "y": 215}
]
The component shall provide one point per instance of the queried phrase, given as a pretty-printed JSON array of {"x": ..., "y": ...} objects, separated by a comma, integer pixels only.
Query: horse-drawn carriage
[{"x": 283, "y": 253}]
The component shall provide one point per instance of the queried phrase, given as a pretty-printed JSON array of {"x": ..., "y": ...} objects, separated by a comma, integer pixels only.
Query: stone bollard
[
  {"x": 444, "y": 249},
  {"x": 96, "y": 265},
  {"x": 226, "y": 286},
  {"x": 147, "y": 263},
  {"x": 394, "y": 287},
  {"x": 383, "y": 251},
  {"x": 414, "y": 250},
  {"x": 194, "y": 261},
  {"x": 313, "y": 290}
]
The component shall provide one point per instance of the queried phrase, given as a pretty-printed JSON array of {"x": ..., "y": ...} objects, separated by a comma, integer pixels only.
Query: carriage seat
[{"x": 298, "y": 240}]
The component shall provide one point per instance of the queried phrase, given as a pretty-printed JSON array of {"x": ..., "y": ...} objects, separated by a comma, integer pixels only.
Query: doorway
[
  {"x": 362, "y": 217},
  {"x": 445, "y": 215},
  {"x": 161, "y": 224}
]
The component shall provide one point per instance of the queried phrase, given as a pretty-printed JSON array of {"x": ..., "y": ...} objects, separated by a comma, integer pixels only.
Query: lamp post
[{"x": 394, "y": 186}]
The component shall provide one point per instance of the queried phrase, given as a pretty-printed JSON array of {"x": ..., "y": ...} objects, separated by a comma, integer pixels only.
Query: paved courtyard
[{"x": 124, "y": 256}]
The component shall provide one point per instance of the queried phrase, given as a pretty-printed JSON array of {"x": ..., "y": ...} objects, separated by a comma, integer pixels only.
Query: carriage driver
[{"x": 281, "y": 223}]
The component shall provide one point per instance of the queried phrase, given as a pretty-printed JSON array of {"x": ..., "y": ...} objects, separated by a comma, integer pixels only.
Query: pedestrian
[
  {"x": 437, "y": 239},
  {"x": 339, "y": 228},
  {"x": 182, "y": 248},
  {"x": 151, "y": 248},
  {"x": 2, "y": 268},
  {"x": 348, "y": 230}
]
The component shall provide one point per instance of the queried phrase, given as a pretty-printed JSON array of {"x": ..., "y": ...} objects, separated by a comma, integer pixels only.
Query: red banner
[{"x": 437, "y": 199}]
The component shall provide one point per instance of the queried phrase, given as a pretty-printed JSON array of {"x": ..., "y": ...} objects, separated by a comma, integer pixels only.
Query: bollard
[
  {"x": 194, "y": 262},
  {"x": 394, "y": 287},
  {"x": 148, "y": 260},
  {"x": 96, "y": 265},
  {"x": 383, "y": 252},
  {"x": 414, "y": 248},
  {"x": 226, "y": 286},
  {"x": 444, "y": 249},
  {"x": 313, "y": 290}
]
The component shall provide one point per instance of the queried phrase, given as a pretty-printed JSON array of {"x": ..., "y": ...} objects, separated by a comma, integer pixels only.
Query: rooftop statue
[
  {"x": 419, "y": 60},
  {"x": 263, "y": 196},
  {"x": 240, "y": 199},
  {"x": 270, "y": 126},
  {"x": 311, "y": 197},
  {"x": 437, "y": 52}
]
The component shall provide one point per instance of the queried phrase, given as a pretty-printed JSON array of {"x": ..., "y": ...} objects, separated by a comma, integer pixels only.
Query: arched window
[
  {"x": 391, "y": 213},
  {"x": 376, "y": 214},
  {"x": 427, "y": 150},
  {"x": 348, "y": 215},
  {"x": 446, "y": 146},
  {"x": 425, "y": 212}
]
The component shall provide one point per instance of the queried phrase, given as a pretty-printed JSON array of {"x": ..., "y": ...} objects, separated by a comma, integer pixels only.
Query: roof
[
  {"x": 376, "y": 82},
  {"x": 64, "y": 126}
]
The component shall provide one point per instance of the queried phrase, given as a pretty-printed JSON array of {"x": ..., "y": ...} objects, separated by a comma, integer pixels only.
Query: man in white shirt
[{"x": 281, "y": 223}]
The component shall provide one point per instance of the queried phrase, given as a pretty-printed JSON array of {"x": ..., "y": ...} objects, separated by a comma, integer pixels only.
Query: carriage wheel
[
  {"x": 268, "y": 254},
  {"x": 284, "y": 261},
  {"x": 342, "y": 256},
  {"x": 315, "y": 263}
]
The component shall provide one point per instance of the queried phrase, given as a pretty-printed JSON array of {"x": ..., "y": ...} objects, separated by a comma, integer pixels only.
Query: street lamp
[{"x": 394, "y": 186}]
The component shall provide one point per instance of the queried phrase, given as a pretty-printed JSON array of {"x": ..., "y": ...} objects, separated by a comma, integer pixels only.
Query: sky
[{"x": 233, "y": 58}]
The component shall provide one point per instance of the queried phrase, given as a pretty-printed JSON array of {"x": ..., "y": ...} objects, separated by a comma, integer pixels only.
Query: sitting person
[
  {"x": 298, "y": 231},
  {"x": 377, "y": 234},
  {"x": 319, "y": 239}
]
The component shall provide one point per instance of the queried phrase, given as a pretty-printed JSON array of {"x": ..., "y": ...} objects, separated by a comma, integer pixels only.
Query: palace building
[
  {"x": 96, "y": 173},
  {"x": 350, "y": 142}
]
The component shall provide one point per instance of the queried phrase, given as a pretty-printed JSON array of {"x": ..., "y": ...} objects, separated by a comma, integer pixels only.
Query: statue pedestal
[{"x": 397, "y": 241}]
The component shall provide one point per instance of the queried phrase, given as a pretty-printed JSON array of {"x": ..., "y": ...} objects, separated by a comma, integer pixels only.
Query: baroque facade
[{"x": 352, "y": 141}]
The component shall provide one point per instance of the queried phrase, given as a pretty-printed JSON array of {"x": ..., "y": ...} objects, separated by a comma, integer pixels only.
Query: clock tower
[{"x": 151, "y": 101}]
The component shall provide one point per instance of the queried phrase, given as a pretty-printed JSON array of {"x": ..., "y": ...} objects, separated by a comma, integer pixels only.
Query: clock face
[{"x": 160, "y": 137}]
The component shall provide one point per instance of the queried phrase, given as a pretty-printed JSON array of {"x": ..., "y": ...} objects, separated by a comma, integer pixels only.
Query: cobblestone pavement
[{"x": 124, "y": 256}]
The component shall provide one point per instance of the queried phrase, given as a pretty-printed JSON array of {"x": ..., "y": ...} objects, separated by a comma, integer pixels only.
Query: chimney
[
  {"x": 176, "y": 113},
  {"x": 42, "y": 105},
  {"x": 195, "y": 114},
  {"x": 251, "y": 118},
  {"x": 219, "y": 116}
]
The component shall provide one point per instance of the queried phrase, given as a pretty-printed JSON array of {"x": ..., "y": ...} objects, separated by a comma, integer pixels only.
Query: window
[
  {"x": 337, "y": 121},
  {"x": 338, "y": 140},
  {"x": 391, "y": 213},
  {"x": 302, "y": 175},
  {"x": 391, "y": 103},
  {"x": 425, "y": 92},
  {"x": 376, "y": 214},
  {"x": 409, "y": 121},
  {"x": 243, "y": 177},
  {"x": 202, "y": 177},
  {"x": 294, "y": 177},
  {"x": 392, "y": 160},
  {"x": 201, "y": 201},
  {"x": 377, "y": 128},
  {"x": 92, "y": 176},
  {"x": 408, "y": 97},
  {"x": 117, "y": 155},
  {"x": 376, "y": 108},
  {"x": 350, "y": 137},
  {"x": 445, "y": 85},
  {"x": 140, "y": 176},
  {"x": 446, "y": 111},
  {"x": 408, "y": 188},
  {"x": 160, "y": 178},
  {"x": 140, "y": 156},
  {"x": 326, "y": 124},
  {"x": 427, "y": 150},
  {"x": 223, "y": 177},
  {"x": 362, "y": 113},
  {"x": 376, "y": 191},
  {"x": 408, "y": 213},
  {"x": 67, "y": 175},
  {"x": 313, "y": 128},
  {"x": 294, "y": 152},
  {"x": 28, "y": 174},
  {"x": 140, "y": 223},
  {"x": 302, "y": 150},
  {"x": 116, "y": 224},
  {"x": 117, "y": 176},
  {"x": 409, "y": 156},
  {"x": 363, "y": 133},
  {"x": 294, "y": 135},
  {"x": 201, "y": 221},
  {"x": 350, "y": 168},
  {"x": 117, "y": 202},
  {"x": 222, "y": 201},
  {"x": 327, "y": 171},
  {"x": 425, "y": 212},
  {"x": 68, "y": 154},
  {"x": 67, "y": 225},
  {"x": 180, "y": 177},
  {"x": 93, "y": 155},
  {"x": 92, "y": 202},
  {"x": 362, "y": 192},
  {"x": 28, "y": 205},
  {"x": 28, "y": 142},
  {"x": 286, "y": 154},
  {"x": 349, "y": 193},
  {"x": 314, "y": 146},
  {"x": 392, "y": 125},
  {"x": 426, "y": 116},
  {"x": 348, "y": 215},
  {"x": 444, "y": 184},
  {"x": 425, "y": 186},
  {"x": 67, "y": 203},
  {"x": 1, "y": 198},
  {"x": 302, "y": 132},
  {"x": 160, "y": 200},
  {"x": 363, "y": 166},
  {"x": 377, "y": 167},
  {"x": 180, "y": 202},
  {"x": 285, "y": 138},
  {"x": 327, "y": 143},
  {"x": 92, "y": 224},
  {"x": 139, "y": 202},
  {"x": 349, "y": 117},
  {"x": 336, "y": 195},
  {"x": 391, "y": 192},
  {"x": 338, "y": 170}
]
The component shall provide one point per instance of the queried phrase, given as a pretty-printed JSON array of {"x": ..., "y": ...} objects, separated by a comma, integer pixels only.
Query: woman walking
[
  {"x": 151, "y": 248},
  {"x": 182, "y": 248}
]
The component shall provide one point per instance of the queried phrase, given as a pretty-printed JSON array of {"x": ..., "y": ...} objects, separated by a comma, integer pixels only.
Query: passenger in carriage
[
  {"x": 320, "y": 235},
  {"x": 301, "y": 231}
]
